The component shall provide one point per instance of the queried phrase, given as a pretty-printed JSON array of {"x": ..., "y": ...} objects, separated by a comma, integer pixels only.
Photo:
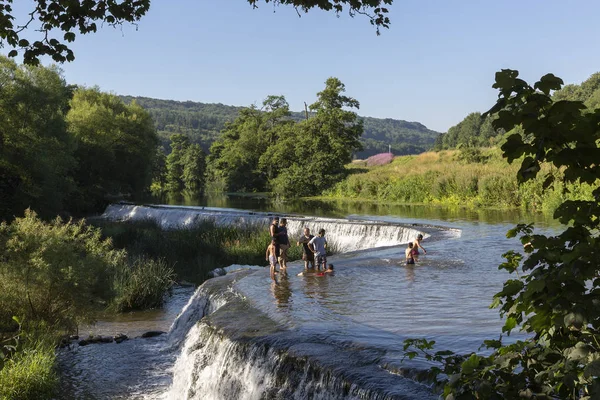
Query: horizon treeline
[{"x": 203, "y": 123}]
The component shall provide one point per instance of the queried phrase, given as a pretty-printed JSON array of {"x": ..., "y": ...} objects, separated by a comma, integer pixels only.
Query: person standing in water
[
  {"x": 307, "y": 254},
  {"x": 417, "y": 245},
  {"x": 284, "y": 243},
  {"x": 318, "y": 246},
  {"x": 274, "y": 232},
  {"x": 408, "y": 253},
  {"x": 271, "y": 256}
]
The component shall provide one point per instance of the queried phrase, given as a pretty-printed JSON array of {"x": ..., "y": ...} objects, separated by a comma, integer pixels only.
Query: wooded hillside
[{"x": 203, "y": 122}]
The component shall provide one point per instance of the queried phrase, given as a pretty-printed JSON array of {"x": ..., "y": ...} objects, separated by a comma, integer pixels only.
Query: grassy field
[{"x": 474, "y": 179}]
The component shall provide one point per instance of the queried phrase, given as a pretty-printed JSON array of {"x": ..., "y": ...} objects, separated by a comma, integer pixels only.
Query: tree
[
  {"x": 312, "y": 155},
  {"x": 179, "y": 146},
  {"x": 57, "y": 21},
  {"x": 36, "y": 152},
  {"x": 555, "y": 298},
  {"x": 194, "y": 165},
  {"x": 115, "y": 147},
  {"x": 237, "y": 159}
]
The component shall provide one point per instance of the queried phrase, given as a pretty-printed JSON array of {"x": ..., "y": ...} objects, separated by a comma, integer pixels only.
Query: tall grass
[
  {"x": 28, "y": 371},
  {"x": 142, "y": 284},
  {"x": 453, "y": 178}
]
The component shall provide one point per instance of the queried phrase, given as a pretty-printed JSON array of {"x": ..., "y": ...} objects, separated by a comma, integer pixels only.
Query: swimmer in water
[
  {"x": 408, "y": 253},
  {"x": 417, "y": 245}
]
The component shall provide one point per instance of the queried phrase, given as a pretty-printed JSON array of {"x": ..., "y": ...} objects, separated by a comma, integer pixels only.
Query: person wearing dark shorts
[
  {"x": 274, "y": 232},
  {"x": 307, "y": 254}
]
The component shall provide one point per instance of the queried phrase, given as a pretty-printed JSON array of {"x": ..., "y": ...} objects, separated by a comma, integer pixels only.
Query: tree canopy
[
  {"x": 63, "y": 147},
  {"x": 264, "y": 149},
  {"x": 57, "y": 22}
]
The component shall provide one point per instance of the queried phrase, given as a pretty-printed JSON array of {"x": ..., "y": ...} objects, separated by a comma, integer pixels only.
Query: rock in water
[{"x": 150, "y": 334}]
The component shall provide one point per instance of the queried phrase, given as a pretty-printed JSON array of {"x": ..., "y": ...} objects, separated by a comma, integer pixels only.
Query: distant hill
[{"x": 203, "y": 122}]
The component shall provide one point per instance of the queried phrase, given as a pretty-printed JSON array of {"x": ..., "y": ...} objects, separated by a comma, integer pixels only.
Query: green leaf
[
  {"x": 469, "y": 365},
  {"x": 23, "y": 43},
  {"x": 69, "y": 36},
  {"x": 549, "y": 82},
  {"x": 13, "y": 53},
  {"x": 511, "y": 287},
  {"x": 509, "y": 325}
]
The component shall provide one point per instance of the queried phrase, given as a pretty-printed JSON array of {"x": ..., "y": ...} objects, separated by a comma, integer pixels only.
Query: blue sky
[{"x": 434, "y": 65}]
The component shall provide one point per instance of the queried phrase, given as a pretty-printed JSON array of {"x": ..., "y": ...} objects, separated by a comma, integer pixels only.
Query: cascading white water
[{"x": 342, "y": 235}]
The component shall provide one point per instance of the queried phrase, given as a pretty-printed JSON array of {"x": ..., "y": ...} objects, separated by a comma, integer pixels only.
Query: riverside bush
[
  {"x": 142, "y": 284},
  {"x": 56, "y": 272}
]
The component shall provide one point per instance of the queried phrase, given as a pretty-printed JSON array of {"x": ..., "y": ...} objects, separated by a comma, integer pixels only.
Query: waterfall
[
  {"x": 235, "y": 352},
  {"x": 342, "y": 235}
]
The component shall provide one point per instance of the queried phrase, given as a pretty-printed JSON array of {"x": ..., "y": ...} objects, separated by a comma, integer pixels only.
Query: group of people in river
[{"x": 314, "y": 249}]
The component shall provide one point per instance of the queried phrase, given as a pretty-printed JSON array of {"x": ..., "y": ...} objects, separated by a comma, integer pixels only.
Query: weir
[
  {"x": 342, "y": 235},
  {"x": 235, "y": 351},
  {"x": 241, "y": 336}
]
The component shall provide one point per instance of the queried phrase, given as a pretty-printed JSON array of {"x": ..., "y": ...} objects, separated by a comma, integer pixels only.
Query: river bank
[{"x": 477, "y": 179}]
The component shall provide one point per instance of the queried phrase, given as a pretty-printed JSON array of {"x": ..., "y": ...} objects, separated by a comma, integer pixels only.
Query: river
[{"x": 243, "y": 336}]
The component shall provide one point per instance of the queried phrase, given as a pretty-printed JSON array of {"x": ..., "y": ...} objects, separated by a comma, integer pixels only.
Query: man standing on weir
[{"x": 307, "y": 254}]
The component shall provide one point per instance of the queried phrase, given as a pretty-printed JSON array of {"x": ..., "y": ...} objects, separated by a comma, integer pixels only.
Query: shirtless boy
[
  {"x": 271, "y": 256},
  {"x": 408, "y": 253},
  {"x": 417, "y": 245}
]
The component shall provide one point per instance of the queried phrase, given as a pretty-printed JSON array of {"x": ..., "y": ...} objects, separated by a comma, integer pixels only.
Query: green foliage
[
  {"x": 469, "y": 177},
  {"x": 203, "y": 124},
  {"x": 265, "y": 149},
  {"x": 35, "y": 148},
  {"x": 60, "y": 150},
  {"x": 55, "y": 272},
  {"x": 473, "y": 131},
  {"x": 56, "y": 18},
  {"x": 142, "y": 284},
  {"x": 555, "y": 297},
  {"x": 30, "y": 373},
  {"x": 53, "y": 19},
  {"x": 174, "y": 163},
  {"x": 115, "y": 147}
]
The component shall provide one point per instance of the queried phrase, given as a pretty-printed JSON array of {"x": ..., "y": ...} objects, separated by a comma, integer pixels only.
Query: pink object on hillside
[{"x": 380, "y": 159}]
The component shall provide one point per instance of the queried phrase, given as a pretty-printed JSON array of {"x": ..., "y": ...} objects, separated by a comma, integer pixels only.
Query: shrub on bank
[
  {"x": 56, "y": 272},
  {"x": 27, "y": 364},
  {"x": 379, "y": 159},
  {"x": 30, "y": 374},
  {"x": 142, "y": 284}
]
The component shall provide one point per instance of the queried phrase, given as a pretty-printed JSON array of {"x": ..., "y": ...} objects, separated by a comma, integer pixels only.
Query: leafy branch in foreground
[
  {"x": 57, "y": 21},
  {"x": 555, "y": 299}
]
